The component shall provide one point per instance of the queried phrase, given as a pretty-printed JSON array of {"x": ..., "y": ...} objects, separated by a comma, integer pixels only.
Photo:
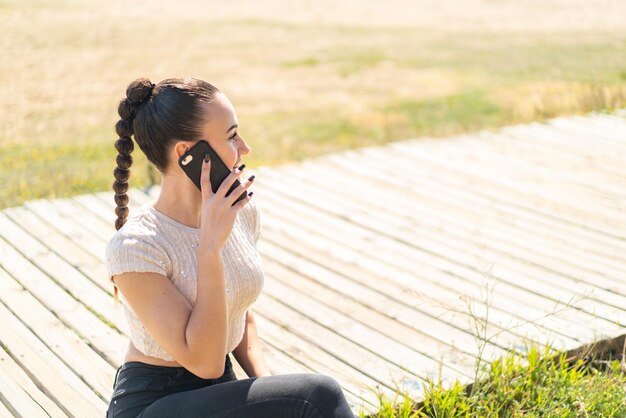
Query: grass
[
  {"x": 300, "y": 88},
  {"x": 536, "y": 385},
  {"x": 532, "y": 381}
]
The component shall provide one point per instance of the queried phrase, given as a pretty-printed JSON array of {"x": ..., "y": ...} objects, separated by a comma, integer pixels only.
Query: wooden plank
[
  {"x": 392, "y": 292},
  {"x": 613, "y": 124},
  {"x": 373, "y": 340},
  {"x": 422, "y": 235},
  {"x": 64, "y": 273},
  {"x": 514, "y": 191},
  {"x": 332, "y": 202},
  {"x": 561, "y": 142},
  {"x": 607, "y": 187},
  {"x": 53, "y": 377},
  {"x": 106, "y": 341},
  {"x": 62, "y": 214},
  {"x": 419, "y": 292},
  {"x": 426, "y": 336},
  {"x": 61, "y": 340},
  {"x": 414, "y": 165},
  {"x": 586, "y": 139},
  {"x": 136, "y": 197},
  {"x": 582, "y": 164},
  {"x": 433, "y": 189},
  {"x": 577, "y": 164},
  {"x": 344, "y": 350},
  {"x": 471, "y": 225},
  {"x": 456, "y": 211},
  {"x": 294, "y": 355},
  {"x": 4, "y": 411},
  {"x": 609, "y": 269},
  {"x": 511, "y": 212},
  {"x": 545, "y": 196},
  {"x": 605, "y": 132},
  {"x": 534, "y": 166},
  {"x": 19, "y": 395},
  {"x": 72, "y": 211},
  {"x": 92, "y": 204},
  {"x": 70, "y": 236},
  {"x": 70, "y": 241}
]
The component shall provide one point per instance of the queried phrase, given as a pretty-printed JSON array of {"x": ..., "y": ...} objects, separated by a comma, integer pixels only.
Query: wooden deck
[{"x": 373, "y": 260}]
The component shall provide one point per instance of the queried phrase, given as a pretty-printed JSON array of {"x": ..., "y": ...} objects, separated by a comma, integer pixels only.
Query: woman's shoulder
[
  {"x": 136, "y": 246},
  {"x": 139, "y": 227}
]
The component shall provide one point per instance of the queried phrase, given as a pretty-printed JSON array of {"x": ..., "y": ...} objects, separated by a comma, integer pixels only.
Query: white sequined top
[{"x": 150, "y": 241}]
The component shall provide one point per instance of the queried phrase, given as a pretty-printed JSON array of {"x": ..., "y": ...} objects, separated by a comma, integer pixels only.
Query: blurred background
[{"x": 306, "y": 77}]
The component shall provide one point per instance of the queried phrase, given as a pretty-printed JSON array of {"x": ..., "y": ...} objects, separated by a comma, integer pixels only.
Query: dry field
[{"x": 305, "y": 77}]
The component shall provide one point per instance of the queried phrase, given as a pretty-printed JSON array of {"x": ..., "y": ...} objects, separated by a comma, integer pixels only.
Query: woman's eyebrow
[{"x": 232, "y": 127}]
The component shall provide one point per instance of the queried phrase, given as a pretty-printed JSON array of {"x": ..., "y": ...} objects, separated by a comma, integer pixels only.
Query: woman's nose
[{"x": 246, "y": 148}]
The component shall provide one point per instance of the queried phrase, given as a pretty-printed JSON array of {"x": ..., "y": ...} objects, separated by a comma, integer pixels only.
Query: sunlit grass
[
  {"x": 535, "y": 385},
  {"x": 299, "y": 89},
  {"x": 532, "y": 380}
]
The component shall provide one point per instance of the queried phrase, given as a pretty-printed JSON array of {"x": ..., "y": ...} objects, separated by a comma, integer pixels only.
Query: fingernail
[
  {"x": 241, "y": 167},
  {"x": 251, "y": 177},
  {"x": 250, "y": 194},
  {"x": 206, "y": 157}
]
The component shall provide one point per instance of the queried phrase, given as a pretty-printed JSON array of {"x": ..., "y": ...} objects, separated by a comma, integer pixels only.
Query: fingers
[
  {"x": 207, "y": 191},
  {"x": 228, "y": 182},
  {"x": 239, "y": 190},
  {"x": 205, "y": 177},
  {"x": 243, "y": 201}
]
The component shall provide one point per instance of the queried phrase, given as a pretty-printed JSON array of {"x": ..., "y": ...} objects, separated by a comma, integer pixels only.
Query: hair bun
[{"x": 139, "y": 90}]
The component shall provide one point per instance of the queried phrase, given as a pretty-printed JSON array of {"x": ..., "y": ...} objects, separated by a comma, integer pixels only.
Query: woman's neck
[{"x": 180, "y": 199}]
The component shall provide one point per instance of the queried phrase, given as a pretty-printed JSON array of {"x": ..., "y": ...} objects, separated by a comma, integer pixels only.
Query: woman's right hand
[{"x": 218, "y": 212}]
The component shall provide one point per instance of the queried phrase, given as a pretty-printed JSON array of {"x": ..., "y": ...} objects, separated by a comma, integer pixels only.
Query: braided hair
[{"x": 157, "y": 115}]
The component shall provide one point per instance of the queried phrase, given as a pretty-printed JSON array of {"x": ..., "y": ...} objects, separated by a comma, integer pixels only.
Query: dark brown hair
[{"x": 157, "y": 116}]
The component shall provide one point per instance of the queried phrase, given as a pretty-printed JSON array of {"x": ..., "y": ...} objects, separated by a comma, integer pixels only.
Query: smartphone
[{"x": 191, "y": 163}]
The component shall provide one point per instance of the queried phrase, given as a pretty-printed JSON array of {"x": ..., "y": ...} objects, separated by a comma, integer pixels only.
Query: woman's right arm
[
  {"x": 194, "y": 336},
  {"x": 206, "y": 332}
]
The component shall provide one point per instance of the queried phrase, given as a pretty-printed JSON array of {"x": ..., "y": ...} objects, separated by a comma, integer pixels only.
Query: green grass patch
[
  {"x": 356, "y": 61},
  {"x": 446, "y": 115},
  {"x": 62, "y": 170},
  {"x": 303, "y": 62},
  {"x": 535, "y": 385}
]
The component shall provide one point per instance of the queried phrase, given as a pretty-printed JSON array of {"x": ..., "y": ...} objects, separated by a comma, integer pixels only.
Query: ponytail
[{"x": 136, "y": 93}]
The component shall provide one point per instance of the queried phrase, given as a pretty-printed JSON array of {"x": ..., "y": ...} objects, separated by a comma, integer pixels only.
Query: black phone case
[{"x": 191, "y": 163}]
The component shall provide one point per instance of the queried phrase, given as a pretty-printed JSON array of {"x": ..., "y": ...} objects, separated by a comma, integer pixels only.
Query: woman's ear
[{"x": 180, "y": 148}]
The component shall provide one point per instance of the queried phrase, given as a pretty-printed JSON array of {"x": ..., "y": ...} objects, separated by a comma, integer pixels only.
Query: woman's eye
[{"x": 234, "y": 136}]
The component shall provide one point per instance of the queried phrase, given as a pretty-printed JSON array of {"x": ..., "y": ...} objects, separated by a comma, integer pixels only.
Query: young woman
[{"x": 188, "y": 271}]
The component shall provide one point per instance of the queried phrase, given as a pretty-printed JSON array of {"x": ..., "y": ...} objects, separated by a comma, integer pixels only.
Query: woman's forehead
[{"x": 221, "y": 115}]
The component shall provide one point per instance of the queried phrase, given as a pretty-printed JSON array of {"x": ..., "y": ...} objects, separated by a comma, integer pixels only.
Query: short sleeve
[{"x": 125, "y": 253}]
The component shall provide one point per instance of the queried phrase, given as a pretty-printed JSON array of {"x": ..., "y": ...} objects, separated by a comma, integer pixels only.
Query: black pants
[{"x": 147, "y": 391}]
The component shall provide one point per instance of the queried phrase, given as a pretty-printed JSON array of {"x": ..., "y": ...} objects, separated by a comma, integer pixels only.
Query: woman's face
[{"x": 221, "y": 132}]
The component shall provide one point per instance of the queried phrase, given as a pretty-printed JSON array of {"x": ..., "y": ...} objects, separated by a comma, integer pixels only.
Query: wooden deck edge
[{"x": 599, "y": 348}]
